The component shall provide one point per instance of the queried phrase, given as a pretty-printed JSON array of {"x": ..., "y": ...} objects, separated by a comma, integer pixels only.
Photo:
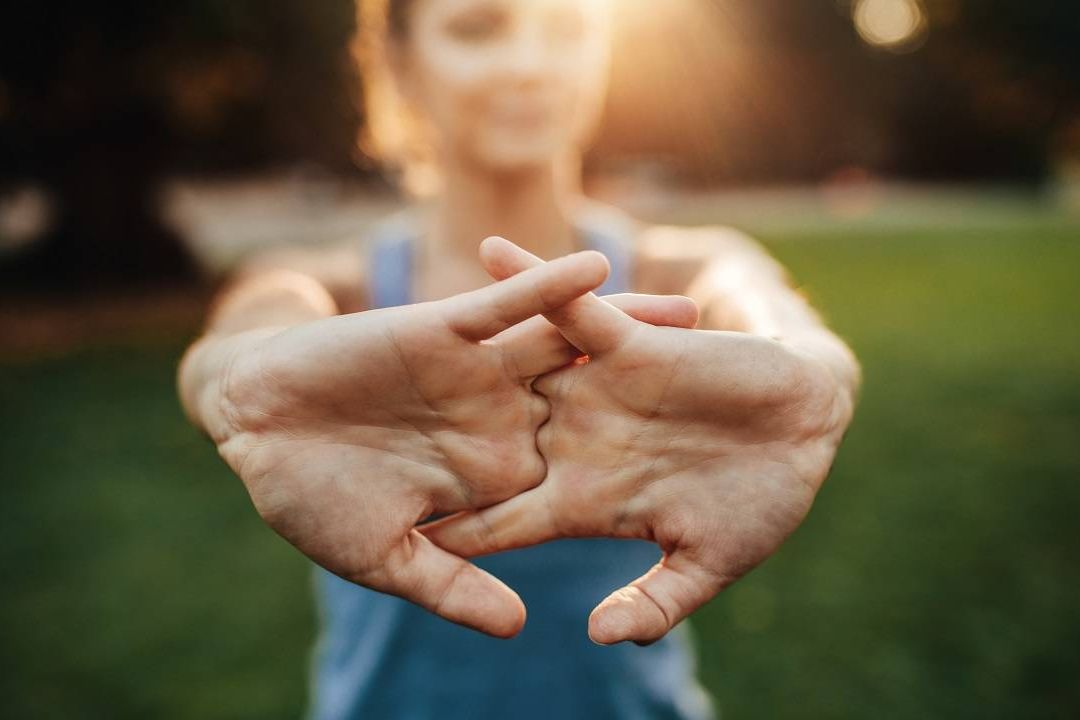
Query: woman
[{"x": 358, "y": 396}]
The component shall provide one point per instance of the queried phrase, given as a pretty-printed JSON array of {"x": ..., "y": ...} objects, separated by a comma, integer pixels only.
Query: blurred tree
[
  {"x": 99, "y": 101},
  {"x": 786, "y": 90},
  {"x": 994, "y": 86}
]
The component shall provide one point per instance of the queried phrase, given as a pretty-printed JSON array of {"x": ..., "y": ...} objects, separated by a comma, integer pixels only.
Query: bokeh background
[{"x": 915, "y": 163}]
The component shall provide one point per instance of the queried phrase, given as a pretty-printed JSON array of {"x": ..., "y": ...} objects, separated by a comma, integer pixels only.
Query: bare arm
[
  {"x": 711, "y": 443},
  {"x": 347, "y": 431},
  {"x": 269, "y": 292},
  {"x": 739, "y": 286}
]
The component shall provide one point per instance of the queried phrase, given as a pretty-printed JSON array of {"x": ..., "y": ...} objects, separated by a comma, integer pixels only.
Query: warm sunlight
[{"x": 896, "y": 25}]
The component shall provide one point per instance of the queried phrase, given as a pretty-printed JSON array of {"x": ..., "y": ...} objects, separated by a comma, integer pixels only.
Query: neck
[{"x": 531, "y": 208}]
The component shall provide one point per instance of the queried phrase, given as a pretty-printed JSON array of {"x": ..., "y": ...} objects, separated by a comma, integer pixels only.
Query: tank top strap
[
  {"x": 612, "y": 233},
  {"x": 390, "y": 262}
]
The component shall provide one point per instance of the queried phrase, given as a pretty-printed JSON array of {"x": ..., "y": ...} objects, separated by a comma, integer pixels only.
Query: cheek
[
  {"x": 453, "y": 86},
  {"x": 463, "y": 96},
  {"x": 452, "y": 103},
  {"x": 583, "y": 78}
]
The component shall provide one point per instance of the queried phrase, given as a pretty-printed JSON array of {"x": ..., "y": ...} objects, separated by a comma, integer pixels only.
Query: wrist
[
  {"x": 255, "y": 307},
  {"x": 276, "y": 298},
  {"x": 839, "y": 367},
  {"x": 203, "y": 379}
]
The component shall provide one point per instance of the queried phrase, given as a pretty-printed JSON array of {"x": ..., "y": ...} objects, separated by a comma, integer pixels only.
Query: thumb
[
  {"x": 660, "y": 310},
  {"x": 536, "y": 347},
  {"x": 648, "y": 608},
  {"x": 589, "y": 324},
  {"x": 452, "y": 588},
  {"x": 521, "y": 521}
]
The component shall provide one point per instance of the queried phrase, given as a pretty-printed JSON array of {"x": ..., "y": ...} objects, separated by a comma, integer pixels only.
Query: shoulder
[
  {"x": 338, "y": 266},
  {"x": 346, "y": 265},
  {"x": 667, "y": 258},
  {"x": 650, "y": 243}
]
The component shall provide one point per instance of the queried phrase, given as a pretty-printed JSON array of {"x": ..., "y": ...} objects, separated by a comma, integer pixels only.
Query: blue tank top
[{"x": 381, "y": 657}]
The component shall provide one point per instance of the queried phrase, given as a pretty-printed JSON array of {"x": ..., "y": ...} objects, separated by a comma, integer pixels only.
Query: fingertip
[
  {"x": 595, "y": 264},
  {"x": 456, "y": 590},
  {"x": 493, "y": 607},
  {"x": 491, "y": 249},
  {"x": 514, "y": 624},
  {"x": 491, "y": 244},
  {"x": 626, "y": 615},
  {"x": 689, "y": 311},
  {"x": 491, "y": 253},
  {"x": 508, "y": 619},
  {"x": 502, "y": 259},
  {"x": 599, "y": 258},
  {"x": 605, "y": 628}
]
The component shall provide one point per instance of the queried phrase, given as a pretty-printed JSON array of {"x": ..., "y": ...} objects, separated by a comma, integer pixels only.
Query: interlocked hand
[
  {"x": 711, "y": 444},
  {"x": 349, "y": 431}
]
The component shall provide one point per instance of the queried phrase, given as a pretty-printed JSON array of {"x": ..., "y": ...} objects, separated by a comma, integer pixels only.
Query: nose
[{"x": 528, "y": 53}]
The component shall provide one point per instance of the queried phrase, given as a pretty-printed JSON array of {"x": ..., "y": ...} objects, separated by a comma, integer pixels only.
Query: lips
[{"x": 523, "y": 115}]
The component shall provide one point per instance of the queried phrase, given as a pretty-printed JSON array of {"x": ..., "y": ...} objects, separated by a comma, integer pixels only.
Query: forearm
[
  {"x": 745, "y": 289},
  {"x": 251, "y": 308}
]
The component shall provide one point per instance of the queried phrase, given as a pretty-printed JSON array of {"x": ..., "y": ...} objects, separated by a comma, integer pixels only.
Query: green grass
[{"x": 936, "y": 577}]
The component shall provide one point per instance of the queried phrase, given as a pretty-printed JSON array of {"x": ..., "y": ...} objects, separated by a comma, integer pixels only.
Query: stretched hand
[
  {"x": 348, "y": 431},
  {"x": 711, "y": 444}
]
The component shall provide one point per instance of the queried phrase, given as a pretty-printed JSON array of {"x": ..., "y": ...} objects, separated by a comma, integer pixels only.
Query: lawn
[{"x": 937, "y": 576}]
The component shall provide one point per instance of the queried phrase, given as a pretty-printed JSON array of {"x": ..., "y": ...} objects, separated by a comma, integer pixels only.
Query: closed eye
[{"x": 479, "y": 24}]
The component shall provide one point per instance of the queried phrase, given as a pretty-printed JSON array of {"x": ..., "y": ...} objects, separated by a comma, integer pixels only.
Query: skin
[
  {"x": 349, "y": 431},
  {"x": 506, "y": 86},
  {"x": 711, "y": 444},
  {"x": 508, "y": 91}
]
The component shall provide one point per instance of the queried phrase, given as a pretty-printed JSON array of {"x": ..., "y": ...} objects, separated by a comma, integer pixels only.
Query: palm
[
  {"x": 468, "y": 416},
  {"x": 683, "y": 458},
  {"x": 711, "y": 444},
  {"x": 349, "y": 431},
  {"x": 428, "y": 422}
]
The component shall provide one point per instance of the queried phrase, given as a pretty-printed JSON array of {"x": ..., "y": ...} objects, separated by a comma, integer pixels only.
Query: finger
[
  {"x": 587, "y": 323},
  {"x": 536, "y": 347},
  {"x": 484, "y": 313},
  {"x": 521, "y": 521},
  {"x": 454, "y": 589},
  {"x": 646, "y": 609},
  {"x": 661, "y": 310}
]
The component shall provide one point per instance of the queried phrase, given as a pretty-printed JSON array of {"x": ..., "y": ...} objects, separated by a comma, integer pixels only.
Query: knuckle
[
  {"x": 485, "y": 536},
  {"x": 544, "y": 439},
  {"x": 540, "y": 410},
  {"x": 548, "y": 385},
  {"x": 446, "y": 588}
]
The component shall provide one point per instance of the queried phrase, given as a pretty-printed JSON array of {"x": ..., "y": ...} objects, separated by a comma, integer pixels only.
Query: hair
[{"x": 391, "y": 134}]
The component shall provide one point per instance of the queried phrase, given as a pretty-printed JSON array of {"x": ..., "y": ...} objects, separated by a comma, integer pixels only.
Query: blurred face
[{"x": 506, "y": 84}]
